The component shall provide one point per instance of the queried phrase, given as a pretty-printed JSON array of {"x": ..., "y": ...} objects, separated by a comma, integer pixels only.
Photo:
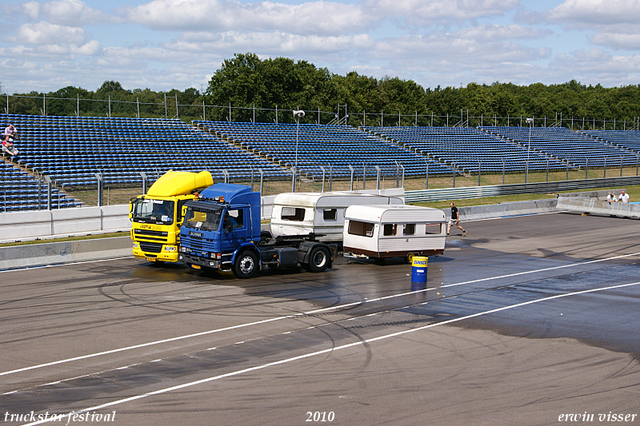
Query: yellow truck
[{"x": 156, "y": 216}]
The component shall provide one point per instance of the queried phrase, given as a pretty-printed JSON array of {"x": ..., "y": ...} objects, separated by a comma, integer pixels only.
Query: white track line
[
  {"x": 314, "y": 312},
  {"x": 328, "y": 350},
  {"x": 301, "y": 314}
]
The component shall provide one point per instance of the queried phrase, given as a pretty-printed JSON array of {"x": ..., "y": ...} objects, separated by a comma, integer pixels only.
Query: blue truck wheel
[{"x": 246, "y": 265}]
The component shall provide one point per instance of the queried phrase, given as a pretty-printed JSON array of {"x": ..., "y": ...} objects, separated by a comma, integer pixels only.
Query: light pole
[
  {"x": 526, "y": 173},
  {"x": 297, "y": 114}
]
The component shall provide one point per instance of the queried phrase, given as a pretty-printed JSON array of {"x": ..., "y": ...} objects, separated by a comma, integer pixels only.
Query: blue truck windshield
[
  {"x": 205, "y": 220},
  {"x": 153, "y": 211}
]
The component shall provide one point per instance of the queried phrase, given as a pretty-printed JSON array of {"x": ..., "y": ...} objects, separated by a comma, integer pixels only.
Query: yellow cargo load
[{"x": 179, "y": 183}]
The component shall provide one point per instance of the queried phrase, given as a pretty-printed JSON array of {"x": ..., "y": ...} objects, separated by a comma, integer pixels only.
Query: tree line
[{"x": 247, "y": 88}]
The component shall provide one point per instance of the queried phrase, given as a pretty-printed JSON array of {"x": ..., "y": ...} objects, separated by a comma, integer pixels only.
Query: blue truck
[{"x": 222, "y": 231}]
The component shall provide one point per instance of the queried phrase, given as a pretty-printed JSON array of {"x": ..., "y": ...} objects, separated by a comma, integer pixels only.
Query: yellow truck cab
[{"x": 156, "y": 216}]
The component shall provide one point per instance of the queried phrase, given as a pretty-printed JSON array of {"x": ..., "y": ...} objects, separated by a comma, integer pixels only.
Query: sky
[{"x": 179, "y": 44}]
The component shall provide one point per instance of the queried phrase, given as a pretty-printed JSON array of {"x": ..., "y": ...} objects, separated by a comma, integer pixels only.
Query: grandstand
[
  {"x": 309, "y": 146},
  {"x": 469, "y": 149},
  {"x": 22, "y": 191},
  {"x": 562, "y": 143},
  {"x": 625, "y": 139},
  {"x": 70, "y": 151}
]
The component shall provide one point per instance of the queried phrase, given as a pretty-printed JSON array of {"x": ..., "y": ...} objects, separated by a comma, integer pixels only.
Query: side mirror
[{"x": 132, "y": 201}]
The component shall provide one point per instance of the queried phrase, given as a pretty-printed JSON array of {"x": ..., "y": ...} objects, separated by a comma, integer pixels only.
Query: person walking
[{"x": 454, "y": 220}]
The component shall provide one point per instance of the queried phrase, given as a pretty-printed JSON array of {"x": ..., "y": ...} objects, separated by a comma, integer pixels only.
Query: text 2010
[{"x": 320, "y": 416}]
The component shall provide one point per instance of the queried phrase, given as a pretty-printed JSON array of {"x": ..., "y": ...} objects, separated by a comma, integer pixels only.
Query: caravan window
[
  {"x": 433, "y": 228},
  {"x": 390, "y": 229},
  {"x": 360, "y": 228},
  {"x": 409, "y": 229},
  {"x": 330, "y": 214},
  {"x": 293, "y": 213}
]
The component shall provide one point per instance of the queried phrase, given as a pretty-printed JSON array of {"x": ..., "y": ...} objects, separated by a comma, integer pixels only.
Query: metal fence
[
  {"x": 515, "y": 189},
  {"x": 170, "y": 106}
]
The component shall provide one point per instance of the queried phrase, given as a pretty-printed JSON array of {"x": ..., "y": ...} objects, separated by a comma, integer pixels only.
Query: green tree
[{"x": 65, "y": 101}]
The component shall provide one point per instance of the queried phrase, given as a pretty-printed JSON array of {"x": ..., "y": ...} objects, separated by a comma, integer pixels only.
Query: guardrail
[
  {"x": 514, "y": 189},
  {"x": 591, "y": 206},
  {"x": 29, "y": 225}
]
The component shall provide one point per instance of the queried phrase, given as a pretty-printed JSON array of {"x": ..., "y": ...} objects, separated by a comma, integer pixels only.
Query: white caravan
[
  {"x": 322, "y": 214},
  {"x": 394, "y": 231}
]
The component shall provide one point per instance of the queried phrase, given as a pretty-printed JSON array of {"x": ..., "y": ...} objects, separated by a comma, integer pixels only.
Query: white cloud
[
  {"x": 490, "y": 32},
  {"x": 140, "y": 53},
  {"x": 435, "y": 11},
  {"x": 595, "y": 66},
  {"x": 464, "y": 48},
  {"x": 452, "y": 59},
  {"x": 47, "y": 33},
  {"x": 166, "y": 43},
  {"x": 31, "y": 9},
  {"x": 586, "y": 13},
  {"x": 212, "y": 15},
  {"x": 17, "y": 66},
  {"x": 614, "y": 23},
  {"x": 269, "y": 43},
  {"x": 630, "y": 41},
  {"x": 73, "y": 13}
]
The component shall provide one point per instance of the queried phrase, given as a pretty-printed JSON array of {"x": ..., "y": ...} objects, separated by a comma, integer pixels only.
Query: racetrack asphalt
[{"x": 525, "y": 321}]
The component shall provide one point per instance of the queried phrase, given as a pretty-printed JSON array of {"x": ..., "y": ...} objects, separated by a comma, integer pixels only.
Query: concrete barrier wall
[
  {"x": 495, "y": 211},
  {"x": 443, "y": 194},
  {"x": 599, "y": 207},
  {"x": 24, "y": 225},
  {"x": 18, "y": 226},
  {"x": 595, "y": 195}
]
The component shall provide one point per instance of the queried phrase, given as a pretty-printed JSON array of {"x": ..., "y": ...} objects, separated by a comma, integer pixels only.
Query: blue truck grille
[{"x": 197, "y": 245}]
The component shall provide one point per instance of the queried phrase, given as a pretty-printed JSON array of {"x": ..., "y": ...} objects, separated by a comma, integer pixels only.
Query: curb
[{"x": 47, "y": 254}]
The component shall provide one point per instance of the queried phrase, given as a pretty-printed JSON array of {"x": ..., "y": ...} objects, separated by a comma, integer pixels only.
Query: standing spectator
[
  {"x": 624, "y": 197},
  {"x": 611, "y": 198},
  {"x": 454, "y": 220}
]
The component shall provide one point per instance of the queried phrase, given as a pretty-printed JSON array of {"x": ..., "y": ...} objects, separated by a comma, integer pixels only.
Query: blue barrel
[{"x": 419, "y": 269}]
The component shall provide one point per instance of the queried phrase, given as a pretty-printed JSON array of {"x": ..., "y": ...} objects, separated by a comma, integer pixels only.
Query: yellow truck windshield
[{"x": 153, "y": 211}]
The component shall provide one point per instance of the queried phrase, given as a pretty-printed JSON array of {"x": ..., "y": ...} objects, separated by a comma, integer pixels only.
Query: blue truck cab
[{"x": 221, "y": 230}]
